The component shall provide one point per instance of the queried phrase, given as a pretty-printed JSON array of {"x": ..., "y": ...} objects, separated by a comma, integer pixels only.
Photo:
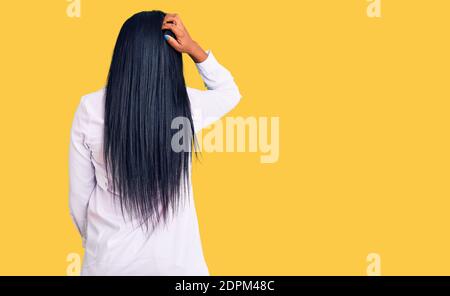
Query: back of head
[{"x": 145, "y": 92}]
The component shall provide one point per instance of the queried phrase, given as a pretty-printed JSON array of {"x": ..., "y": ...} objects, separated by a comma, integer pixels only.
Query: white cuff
[{"x": 208, "y": 65}]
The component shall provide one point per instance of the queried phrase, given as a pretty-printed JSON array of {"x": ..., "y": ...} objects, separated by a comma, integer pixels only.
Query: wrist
[{"x": 197, "y": 53}]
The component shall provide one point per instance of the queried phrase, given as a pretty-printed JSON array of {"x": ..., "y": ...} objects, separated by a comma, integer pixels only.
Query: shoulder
[
  {"x": 93, "y": 102},
  {"x": 89, "y": 114}
]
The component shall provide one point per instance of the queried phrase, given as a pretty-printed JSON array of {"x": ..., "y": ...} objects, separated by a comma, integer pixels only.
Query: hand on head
[{"x": 182, "y": 42}]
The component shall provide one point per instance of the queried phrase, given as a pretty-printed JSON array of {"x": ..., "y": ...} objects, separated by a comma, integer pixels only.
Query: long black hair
[{"x": 145, "y": 92}]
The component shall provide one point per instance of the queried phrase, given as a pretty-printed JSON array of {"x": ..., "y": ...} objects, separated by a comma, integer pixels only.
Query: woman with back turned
[{"x": 130, "y": 183}]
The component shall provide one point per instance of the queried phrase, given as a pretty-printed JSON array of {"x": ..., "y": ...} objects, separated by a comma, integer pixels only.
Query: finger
[
  {"x": 173, "y": 15},
  {"x": 177, "y": 31},
  {"x": 173, "y": 18},
  {"x": 168, "y": 26},
  {"x": 178, "y": 21},
  {"x": 170, "y": 18},
  {"x": 173, "y": 42}
]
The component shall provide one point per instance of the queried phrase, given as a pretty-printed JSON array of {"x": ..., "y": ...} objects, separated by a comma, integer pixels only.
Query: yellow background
[{"x": 364, "y": 144}]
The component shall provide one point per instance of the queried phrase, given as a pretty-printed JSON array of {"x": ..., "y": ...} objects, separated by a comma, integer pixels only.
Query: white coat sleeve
[
  {"x": 221, "y": 96},
  {"x": 81, "y": 170}
]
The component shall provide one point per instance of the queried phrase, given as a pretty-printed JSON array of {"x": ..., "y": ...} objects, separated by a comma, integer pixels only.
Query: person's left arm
[{"x": 81, "y": 170}]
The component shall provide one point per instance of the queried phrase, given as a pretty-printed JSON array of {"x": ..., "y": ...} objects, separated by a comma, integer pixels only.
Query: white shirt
[{"x": 117, "y": 246}]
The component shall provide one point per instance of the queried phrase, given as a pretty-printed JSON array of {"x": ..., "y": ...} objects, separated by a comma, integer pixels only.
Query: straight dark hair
[{"x": 145, "y": 92}]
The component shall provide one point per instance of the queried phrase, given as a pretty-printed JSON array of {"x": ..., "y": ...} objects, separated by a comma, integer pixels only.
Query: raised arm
[
  {"x": 222, "y": 93},
  {"x": 221, "y": 96}
]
